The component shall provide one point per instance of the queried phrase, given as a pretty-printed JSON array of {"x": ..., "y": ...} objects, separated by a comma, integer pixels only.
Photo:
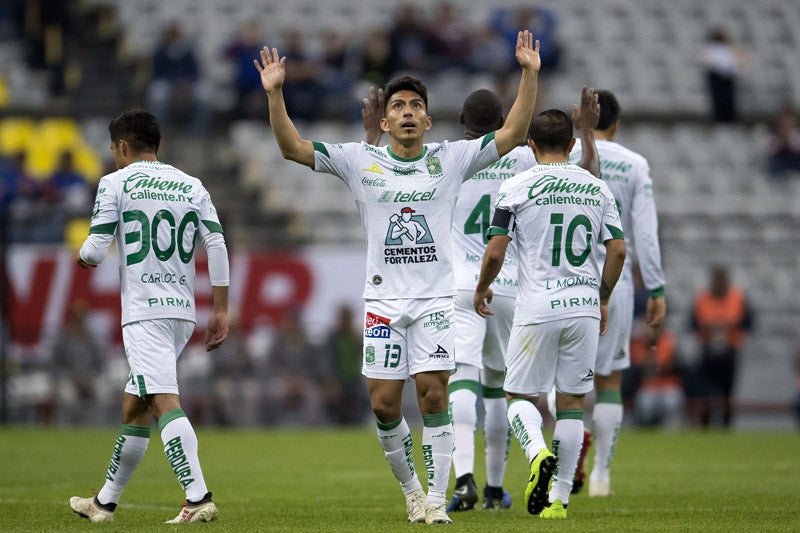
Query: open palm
[
  {"x": 272, "y": 69},
  {"x": 527, "y": 51}
]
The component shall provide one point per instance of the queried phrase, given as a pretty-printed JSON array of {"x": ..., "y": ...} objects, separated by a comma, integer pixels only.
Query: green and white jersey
[
  {"x": 472, "y": 218},
  {"x": 557, "y": 213},
  {"x": 627, "y": 175},
  {"x": 406, "y": 208},
  {"x": 154, "y": 212}
]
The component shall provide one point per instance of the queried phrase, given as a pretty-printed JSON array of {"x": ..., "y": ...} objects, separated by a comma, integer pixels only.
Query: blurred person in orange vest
[
  {"x": 720, "y": 317},
  {"x": 659, "y": 400}
]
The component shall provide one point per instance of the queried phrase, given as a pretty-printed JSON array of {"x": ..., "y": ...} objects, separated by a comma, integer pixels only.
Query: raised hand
[
  {"x": 527, "y": 51},
  {"x": 587, "y": 115},
  {"x": 272, "y": 69},
  {"x": 371, "y": 115}
]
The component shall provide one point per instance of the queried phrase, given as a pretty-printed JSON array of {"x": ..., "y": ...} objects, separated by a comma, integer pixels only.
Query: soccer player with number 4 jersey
[
  {"x": 405, "y": 193},
  {"x": 557, "y": 213},
  {"x": 154, "y": 212}
]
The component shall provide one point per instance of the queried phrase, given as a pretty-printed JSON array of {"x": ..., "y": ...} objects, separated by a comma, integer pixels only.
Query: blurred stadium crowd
[{"x": 709, "y": 92}]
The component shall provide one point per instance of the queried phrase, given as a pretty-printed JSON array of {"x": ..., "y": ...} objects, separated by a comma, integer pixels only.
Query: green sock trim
[
  {"x": 135, "y": 431},
  {"x": 494, "y": 392},
  {"x": 168, "y": 417},
  {"x": 390, "y": 425},
  {"x": 436, "y": 420},
  {"x": 569, "y": 414},
  {"x": 464, "y": 384},
  {"x": 515, "y": 400},
  {"x": 609, "y": 396}
]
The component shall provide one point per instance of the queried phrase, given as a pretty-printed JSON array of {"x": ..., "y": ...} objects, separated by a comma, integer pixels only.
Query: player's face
[{"x": 406, "y": 116}]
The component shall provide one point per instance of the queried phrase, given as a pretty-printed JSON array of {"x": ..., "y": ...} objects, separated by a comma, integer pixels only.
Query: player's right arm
[
  {"x": 212, "y": 237},
  {"x": 272, "y": 70},
  {"x": 105, "y": 217},
  {"x": 585, "y": 118}
]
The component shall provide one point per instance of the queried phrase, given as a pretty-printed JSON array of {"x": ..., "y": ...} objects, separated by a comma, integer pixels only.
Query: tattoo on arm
[{"x": 605, "y": 290}]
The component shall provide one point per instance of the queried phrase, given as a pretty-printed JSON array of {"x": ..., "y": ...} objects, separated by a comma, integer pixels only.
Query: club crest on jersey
[
  {"x": 434, "y": 166},
  {"x": 408, "y": 228},
  {"x": 376, "y": 326},
  {"x": 369, "y": 354}
]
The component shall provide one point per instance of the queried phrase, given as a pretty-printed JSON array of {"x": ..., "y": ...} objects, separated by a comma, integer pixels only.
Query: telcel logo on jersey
[{"x": 377, "y": 326}]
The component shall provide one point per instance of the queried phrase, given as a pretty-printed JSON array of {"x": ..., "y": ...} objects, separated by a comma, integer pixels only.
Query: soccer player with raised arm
[
  {"x": 405, "y": 193},
  {"x": 155, "y": 212},
  {"x": 557, "y": 213},
  {"x": 627, "y": 175}
]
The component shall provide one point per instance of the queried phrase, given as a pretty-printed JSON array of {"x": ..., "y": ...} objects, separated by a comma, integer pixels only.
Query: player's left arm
[
  {"x": 213, "y": 239},
  {"x": 493, "y": 258},
  {"x": 644, "y": 222},
  {"x": 515, "y": 128},
  {"x": 585, "y": 118}
]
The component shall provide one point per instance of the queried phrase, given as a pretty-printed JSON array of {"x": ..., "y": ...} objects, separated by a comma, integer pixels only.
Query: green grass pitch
[{"x": 338, "y": 480}]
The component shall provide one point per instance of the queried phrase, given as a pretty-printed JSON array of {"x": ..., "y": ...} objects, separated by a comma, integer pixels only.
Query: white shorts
[
  {"x": 482, "y": 342},
  {"x": 404, "y": 337},
  {"x": 614, "y": 348},
  {"x": 560, "y": 353},
  {"x": 152, "y": 348}
]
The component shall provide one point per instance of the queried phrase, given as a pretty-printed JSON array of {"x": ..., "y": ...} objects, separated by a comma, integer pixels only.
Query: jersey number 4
[{"x": 478, "y": 220}]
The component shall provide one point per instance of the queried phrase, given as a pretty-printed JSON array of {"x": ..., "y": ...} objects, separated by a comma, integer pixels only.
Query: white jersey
[
  {"x": 627, "y": 175},
  {"x": 472, "y": 218},
  {"x": 406, "y": 208},
  {"x": 154, "y": 211},
  {"x": 557, "y": 213}
]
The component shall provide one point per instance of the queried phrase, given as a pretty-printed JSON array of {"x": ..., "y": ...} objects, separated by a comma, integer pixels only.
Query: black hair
[
  {"x": 405, "y": 83},
  {"x": 609, "y": 109},
  {"x": 482, "y": 112},
  {"x": 551, "y": 130},
  {"x": 139, "y": 128}
]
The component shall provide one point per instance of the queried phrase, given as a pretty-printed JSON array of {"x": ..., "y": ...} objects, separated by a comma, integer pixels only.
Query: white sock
[
  {"x": 398, "y": 447},
  {"x": 129, "y": 450},
  {"x": 606, "y": 421},
  {"x": 498, "y": 439},
  {"x": 464, "y": 415},
  {"x": 526, "y": 424},
  {"x": 437, "y": 450},
  {"x": 567, "y": 442},
  {"x": 180, "y": 447}
]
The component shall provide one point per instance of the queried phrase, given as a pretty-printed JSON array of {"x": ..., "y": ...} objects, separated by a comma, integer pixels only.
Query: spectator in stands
[
  {"x": 543, "y": 23},
  {"x": 303, "y": 91},
  {"x": 721, "y": 316},
  {"x": 659, "y": 400},
  {"x": 450, "y": 38},
  {"x": 30, "y": 215},
  {"x": 722, "y": 63},
  {"x": 347, "y": 401},
  {"x": 408, "y": 41},
  {"x": 177, "y": 89},
  {"x": 241, "y": 52},
  {"x": 77, "y": 362},
  {"x": 67, "y": 188},
  {"x": 336, "y": 79},
  {"x": 375, "y": 57},
  {"x": 234, "y": 390},
  {"x": 783, "y": 143},
  {"x": 293, "y": 375}
]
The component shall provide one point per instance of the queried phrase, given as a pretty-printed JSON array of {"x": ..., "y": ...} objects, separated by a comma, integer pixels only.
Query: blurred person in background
[
  {"x": 721, "y": 317},
  {"x": 241, "y": 52},
  {"x": 77, "y": 363},
  {"x": 783, "y": 143},
  {"x": 67, "y": 188},
  {"x": 177, "y": 90},
  {"x": 659, "y": 398},
  {"x": 450, "y": 38},
  {"x": 346, "y": 396},
  {"x": 409, "y": 48},
  {"x": 722, "y": 63}
]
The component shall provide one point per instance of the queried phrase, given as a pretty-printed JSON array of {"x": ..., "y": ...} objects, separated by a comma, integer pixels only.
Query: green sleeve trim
[
  {"x": 319, "y": 147},
  {"x": 168, "y": 417},
  {"x": 658, "y": 293},
  {"x": 213, "y": 227},
  {"x": 390, "y": 425},
  {"x": 609, "y": 396},
  {"x": 135, "y": 431},
  {"x": 462, "y": 384},
  {"x": 616, "y": 233},
  {"x": 487, "y": 139},
  {"x": 436, "y": 420},
  {"x": 103, "y": 229},
  {"x": 569, "y": 414},
  {"x": 494, "y": 392},
  {"x": 494, "y": 230}
]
